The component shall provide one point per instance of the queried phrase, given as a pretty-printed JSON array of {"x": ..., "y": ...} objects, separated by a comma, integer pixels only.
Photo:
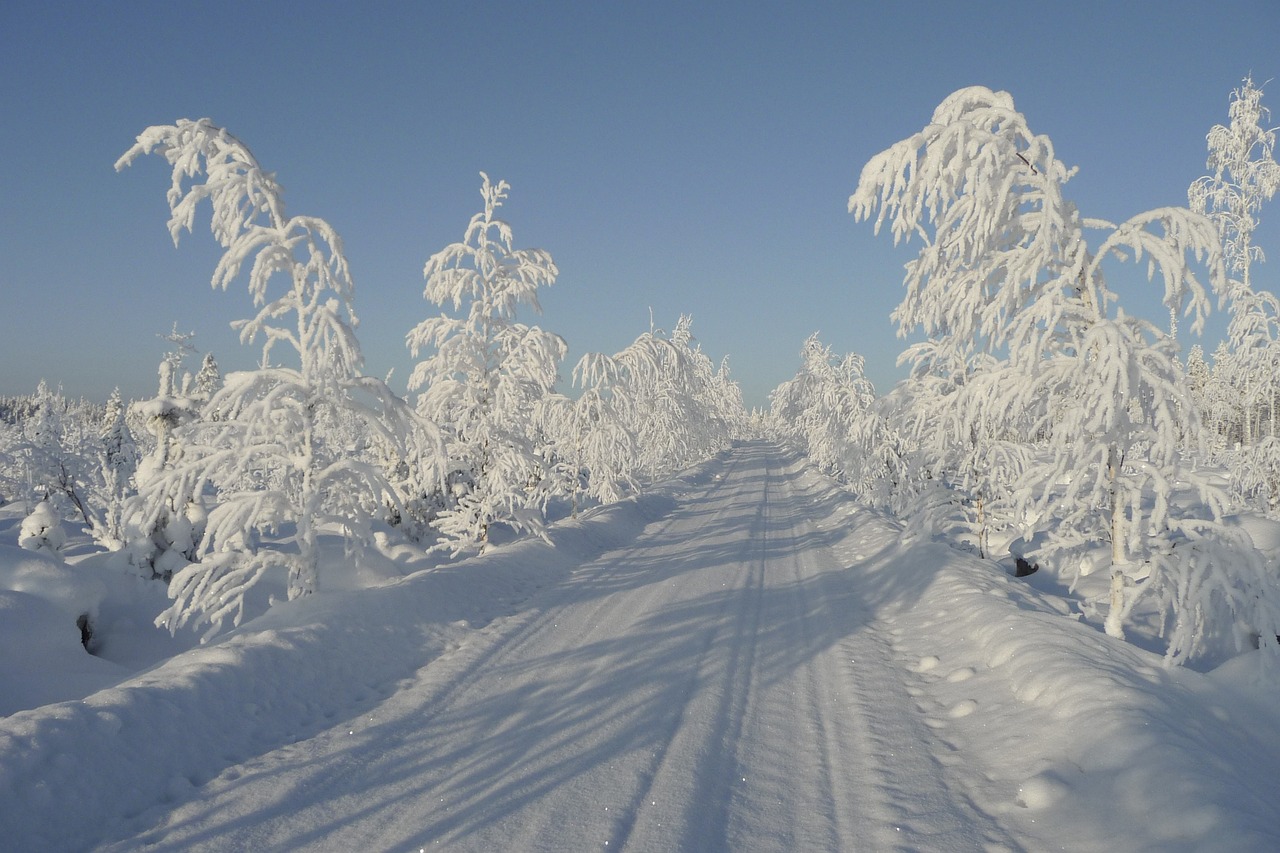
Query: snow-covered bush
[{"x": 42, "y": 530}]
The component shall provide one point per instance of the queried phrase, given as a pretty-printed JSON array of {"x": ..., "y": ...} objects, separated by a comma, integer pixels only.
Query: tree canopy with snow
[{"x": 1007, "y": 270}]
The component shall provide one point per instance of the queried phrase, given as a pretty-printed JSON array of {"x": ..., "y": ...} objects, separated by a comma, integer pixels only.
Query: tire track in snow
[
  {"x": 509, "y": 635},
  {"x": 607, "y": 614},
  {"x": 805, "y": 784},
  {"x": 716, "y": 684},
  {"x": 695, "y": 767}
]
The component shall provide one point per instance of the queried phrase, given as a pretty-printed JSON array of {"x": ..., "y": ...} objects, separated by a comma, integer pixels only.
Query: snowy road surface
[
  {"x": 720, "y": 684},
  {"x": 752, "y": 662}
]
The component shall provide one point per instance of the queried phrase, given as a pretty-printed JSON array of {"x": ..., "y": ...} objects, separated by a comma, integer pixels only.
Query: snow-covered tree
[
  {"x": 170, "y": 408},
  {"x": 829, "y": 410},
  {"x": 263, "y": 447},
  {"x": 156, "y": 551},
  {"x": 485, "y": 374},
  {"x": 56, "y": 453},
  {"x": 970, "y": 448},
  {"x": 118, "y": 463},
  {"x": 1006, "y": 268},
  {"x": 1223, "y": 413},
  {"x": 207, "y": 382},
  {"x": 822, "y": 404},
  {"x": 598, "y": 430},
  {"x": 646, "y": 411},
  {"x": 1245, "y": 174},
  {"x": 1198, "y": 375},
  {"x": 1004, "y": 262},
  {"x": 681, "y": 411}
]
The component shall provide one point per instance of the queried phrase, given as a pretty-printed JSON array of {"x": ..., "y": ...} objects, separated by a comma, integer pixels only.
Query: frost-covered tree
[
  {"x": 1245, "y": 174},
  {"x": 485, "y": 374},
  {"x": 263, "y": 448},
  {"x": 118, "y": 463},
  {"x": 1198, "y": 375},
  {"x": 56, "y": 453},
  {"x": 829, "y": 410},
  {"x": 153, "y": 548},
  {"x": 970, "y": 448},
  {"x": 646, "y": 411},
  {"x": 170, "y": 408},
  {"x": 683, "y": 410},
  {"x": 1007, "y": 268},
  {"x": 1005, "y": 263},
  {"x": 821, "y": 406},
  {"x": 1224, "y": 413},
  {"x": 207, "y": 382},
  {"x": 600, "y": 447},
  {"x": 601, "y": 426}
]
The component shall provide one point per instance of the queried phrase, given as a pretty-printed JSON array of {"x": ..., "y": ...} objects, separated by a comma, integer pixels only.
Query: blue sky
[{"x": 672, "y": 156}]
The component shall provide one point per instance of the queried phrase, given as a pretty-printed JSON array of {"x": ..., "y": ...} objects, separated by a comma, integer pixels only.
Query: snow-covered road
[
  {"x": 743, "y": 659},
  {"x": 720, "y": 684}
]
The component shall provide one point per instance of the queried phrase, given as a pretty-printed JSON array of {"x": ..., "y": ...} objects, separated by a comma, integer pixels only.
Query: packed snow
[{"x": 744, "y": 658}]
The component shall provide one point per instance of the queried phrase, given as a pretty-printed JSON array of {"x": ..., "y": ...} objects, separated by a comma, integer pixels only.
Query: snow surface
[{"x": 742, "y": 659}]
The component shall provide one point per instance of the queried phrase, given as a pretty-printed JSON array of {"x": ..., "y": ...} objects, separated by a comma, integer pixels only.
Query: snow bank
[
  {"x": 276, "y": 680},
  {"x": 1077, "y": 741},
  {"x": 42, "y": 659}
]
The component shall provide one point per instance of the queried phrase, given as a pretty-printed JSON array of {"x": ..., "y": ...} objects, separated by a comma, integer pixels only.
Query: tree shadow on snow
[{"x": 683, "y": 627}]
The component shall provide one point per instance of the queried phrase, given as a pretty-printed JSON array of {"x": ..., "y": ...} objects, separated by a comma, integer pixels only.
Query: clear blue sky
[{"x": 677, "y": 156}]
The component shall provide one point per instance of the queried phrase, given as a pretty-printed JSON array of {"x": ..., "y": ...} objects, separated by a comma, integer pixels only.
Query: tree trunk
[
  {"x": 1114, "y": 625},
  {"x": 1118, "y": 556},
  {"x": 1116, "y": 606}
]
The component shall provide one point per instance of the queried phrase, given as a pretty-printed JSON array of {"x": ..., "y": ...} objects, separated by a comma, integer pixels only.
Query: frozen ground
[{"x": 743, "y": 659}]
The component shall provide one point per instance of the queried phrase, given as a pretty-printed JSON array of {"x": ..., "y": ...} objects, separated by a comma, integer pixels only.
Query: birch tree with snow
[
  {"x": 1006, "y": 267},
  {"x": 971, "y": 448},
  {"x": 822, "y": 408},
  {"x": 1244, "y": 176},
  {"x": 264, "y": 450},
  {"x": 645, "y": 412},
  {"x": 684, "y": 409},
  {"x": 596, "y": 440},
  {"x": 484, "y": 374}
]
